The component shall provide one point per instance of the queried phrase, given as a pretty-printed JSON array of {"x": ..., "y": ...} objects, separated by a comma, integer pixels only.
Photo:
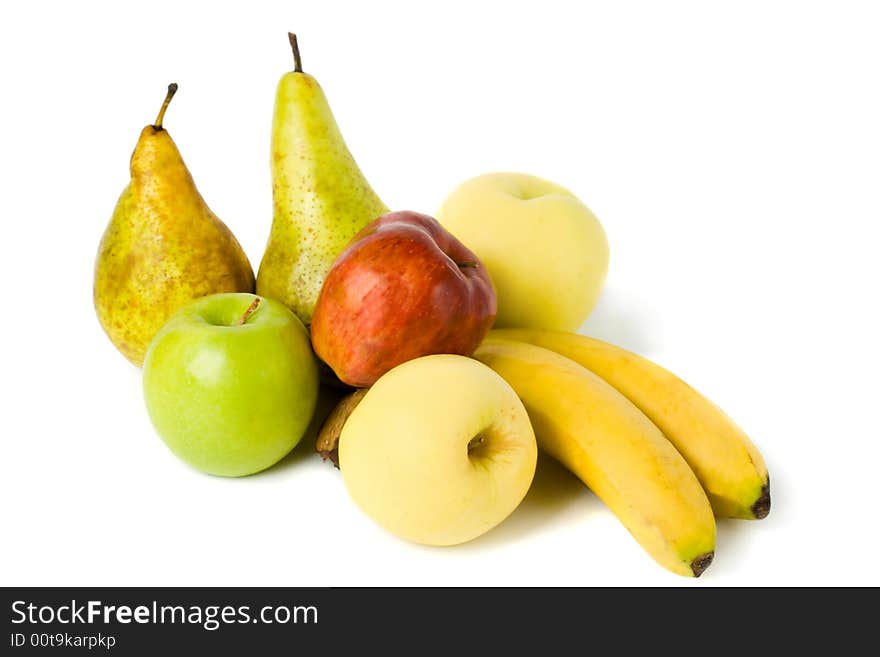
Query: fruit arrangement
[{"x": 450, "y": 342}]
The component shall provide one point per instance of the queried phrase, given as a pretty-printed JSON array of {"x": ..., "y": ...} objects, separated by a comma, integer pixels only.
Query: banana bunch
[{"x": 664, "y": 458}]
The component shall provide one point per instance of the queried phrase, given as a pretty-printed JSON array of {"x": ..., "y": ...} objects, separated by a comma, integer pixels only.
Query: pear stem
[
  {"x": 251, "y": 309},
  {"x": 172, "y": 89},
  {"x": 297, "y": 60}
]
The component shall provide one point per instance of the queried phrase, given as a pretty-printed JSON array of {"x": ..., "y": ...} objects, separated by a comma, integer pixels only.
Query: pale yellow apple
[
  {"x": 439, "y": 451},
  {"x": 546, "y": 252}
]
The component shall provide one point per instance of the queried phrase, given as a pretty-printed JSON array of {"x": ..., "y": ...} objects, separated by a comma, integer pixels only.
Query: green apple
[
  {"x": 546, "y": 253},
  {"x": 230, "y": 383},
  {"x": 439, "y": 450}
]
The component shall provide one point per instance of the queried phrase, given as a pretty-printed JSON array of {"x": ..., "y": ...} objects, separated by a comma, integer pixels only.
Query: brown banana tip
[
  {"x": 331, "y": 455},
  {"x": 327, "y": 442},
  {"x": 761, "y": 508},
  {"x": 699, "y": 565}
]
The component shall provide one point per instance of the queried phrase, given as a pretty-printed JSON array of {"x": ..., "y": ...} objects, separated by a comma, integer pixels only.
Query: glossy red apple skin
[{"x": 404, "y": 287}]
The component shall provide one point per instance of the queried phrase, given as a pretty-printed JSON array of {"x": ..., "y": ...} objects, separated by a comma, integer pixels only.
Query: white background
[{"x": 732, "y": 151}]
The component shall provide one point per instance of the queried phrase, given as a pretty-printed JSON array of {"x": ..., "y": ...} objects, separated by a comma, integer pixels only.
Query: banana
[
  {"x": 614, "y": 449},
  {"x": 725, "y": 461}
]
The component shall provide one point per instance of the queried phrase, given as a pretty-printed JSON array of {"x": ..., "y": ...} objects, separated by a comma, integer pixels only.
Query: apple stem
[
  {"x": 466, "y": 265},
  {"x": 172, "y": 89},
  {"x": 297, "y": 61},
  {"x": 251, "y": 309}
]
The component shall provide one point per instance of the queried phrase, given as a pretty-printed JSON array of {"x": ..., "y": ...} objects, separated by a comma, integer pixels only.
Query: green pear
[
  {"x": 163, "y": 247},
  {"x": 321, "y": 198}
]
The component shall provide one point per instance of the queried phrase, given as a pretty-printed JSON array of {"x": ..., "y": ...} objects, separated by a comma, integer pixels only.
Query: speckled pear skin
[
  {"x": 163, "y": 248},
  {"x": 321, "y": 198}
]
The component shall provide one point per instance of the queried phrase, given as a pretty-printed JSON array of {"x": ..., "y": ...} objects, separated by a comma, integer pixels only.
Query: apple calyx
[
  {"x": 476, "y": 442},
  {"x": 478, "y": 446},
  {"x": 172, "y": 89},
  {"x": 297, "y": 60},
  {"x": 251, "y": 309},
  {"x": 327, "y": 442}
]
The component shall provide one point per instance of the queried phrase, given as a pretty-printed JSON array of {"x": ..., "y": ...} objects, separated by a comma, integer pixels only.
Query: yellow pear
[
  {"x": 321, "y": 198},
  {"x": 163, "y": 247}
]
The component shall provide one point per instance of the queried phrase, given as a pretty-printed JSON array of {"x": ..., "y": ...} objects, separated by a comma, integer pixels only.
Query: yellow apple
[
  {"x": 439, "y": 450},
  {"x": 546, "y": 252}
]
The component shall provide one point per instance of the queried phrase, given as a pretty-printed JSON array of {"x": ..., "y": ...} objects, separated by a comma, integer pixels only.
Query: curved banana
[
  {"x": 614, "y": 449},
  {"x": 725, "y": 461}
]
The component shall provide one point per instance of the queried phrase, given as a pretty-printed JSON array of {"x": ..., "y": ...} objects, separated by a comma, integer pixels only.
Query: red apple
[{"x": 403, "y": 288}]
